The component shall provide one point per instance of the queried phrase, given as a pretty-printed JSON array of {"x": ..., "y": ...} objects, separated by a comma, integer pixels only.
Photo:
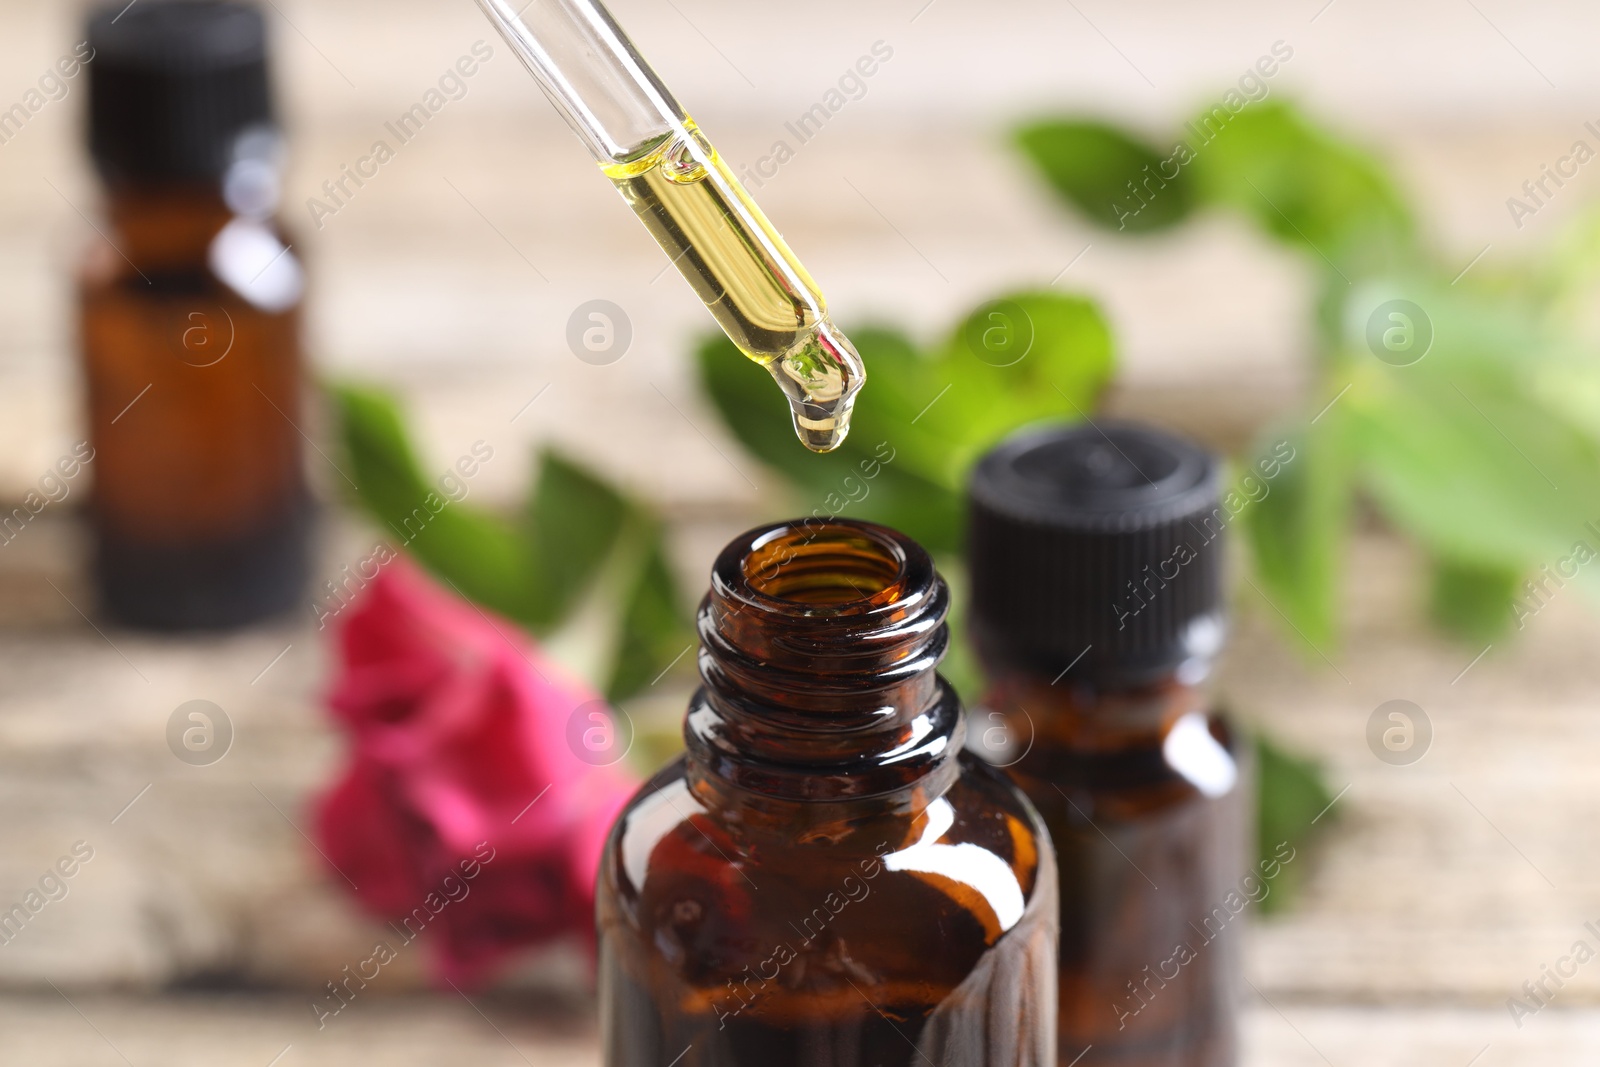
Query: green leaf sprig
[{"x": 581, "y": 548}]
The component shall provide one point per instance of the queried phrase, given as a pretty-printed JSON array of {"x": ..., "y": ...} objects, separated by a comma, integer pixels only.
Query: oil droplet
[{"x": 821, "y": 377}]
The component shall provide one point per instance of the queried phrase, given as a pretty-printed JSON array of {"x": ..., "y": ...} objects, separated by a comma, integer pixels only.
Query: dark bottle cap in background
[
  {"x": 173, "y": 86},
  {"x": 1096, "y": 548}
]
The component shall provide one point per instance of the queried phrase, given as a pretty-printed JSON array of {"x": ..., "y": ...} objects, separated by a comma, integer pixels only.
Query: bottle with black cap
[
  {"x": 1096, "y": 558},
  {"x": 190, "y": 320}
]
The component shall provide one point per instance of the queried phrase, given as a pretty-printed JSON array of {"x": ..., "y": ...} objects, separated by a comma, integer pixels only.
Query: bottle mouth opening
[{"x": 834, "y": 565}]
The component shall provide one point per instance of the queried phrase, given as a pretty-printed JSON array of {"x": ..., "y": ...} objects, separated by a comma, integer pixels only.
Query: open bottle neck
[{"x": 820, "y": 643}]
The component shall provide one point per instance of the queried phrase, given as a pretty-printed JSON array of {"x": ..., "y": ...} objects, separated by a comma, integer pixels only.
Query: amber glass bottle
[
  {"x": 1096, "y": 560},
  {"x": 190, "y": 324},
  {"x": 826, "y": 879}
]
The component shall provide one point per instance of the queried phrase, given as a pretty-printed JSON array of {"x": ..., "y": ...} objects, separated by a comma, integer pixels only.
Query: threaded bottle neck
[{"x": 820, "y": 643}]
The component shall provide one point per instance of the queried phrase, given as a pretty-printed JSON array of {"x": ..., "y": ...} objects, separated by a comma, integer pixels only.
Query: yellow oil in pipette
[{"x": 749, "y": 280}]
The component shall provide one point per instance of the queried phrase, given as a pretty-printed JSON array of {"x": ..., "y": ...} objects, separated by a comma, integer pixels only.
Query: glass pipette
[{"x": 689, "y": 200}]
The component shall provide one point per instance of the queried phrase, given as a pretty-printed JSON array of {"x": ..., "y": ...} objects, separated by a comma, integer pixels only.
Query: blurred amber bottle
[
  {"x": 190, "y": 317},
  {"x": 1096, "y": 561},
  {"x": 825, "y": 878}
]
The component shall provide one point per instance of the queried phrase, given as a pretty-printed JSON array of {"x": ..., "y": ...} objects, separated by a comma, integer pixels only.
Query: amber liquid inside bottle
[
  {"x": 826, "y": 879},
  {"x": 200, "y": 509},
  {"x": 1143, "y": 792}
]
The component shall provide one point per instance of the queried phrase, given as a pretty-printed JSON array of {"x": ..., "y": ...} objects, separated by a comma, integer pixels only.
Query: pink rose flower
[{"x": 465, "y": 816}]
